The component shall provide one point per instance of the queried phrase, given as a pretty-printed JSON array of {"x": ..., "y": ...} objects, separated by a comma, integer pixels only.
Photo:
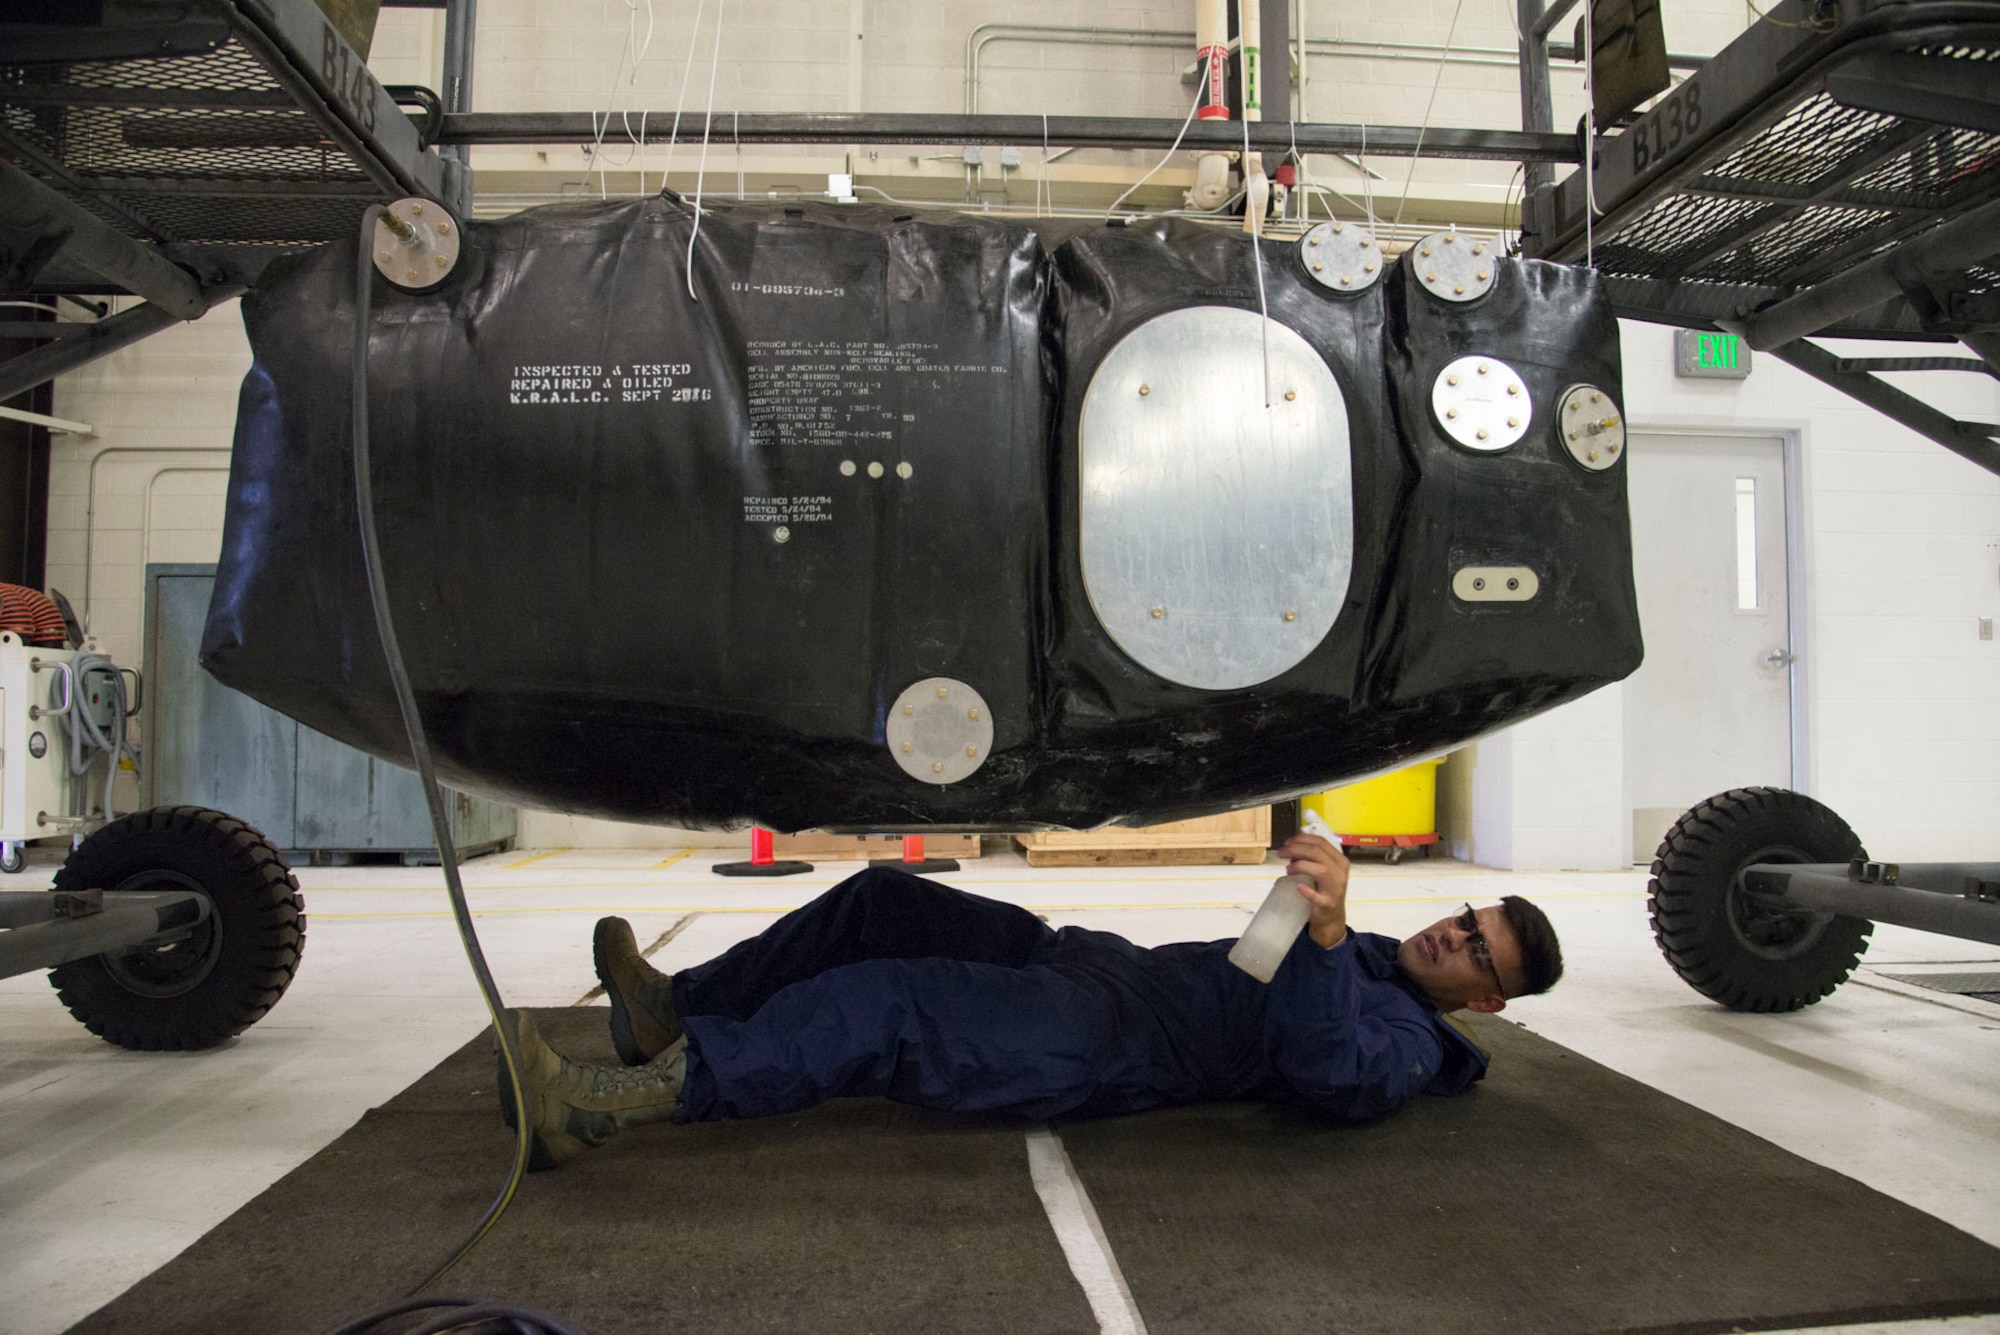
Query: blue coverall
[{"x": 896, "y": 986}]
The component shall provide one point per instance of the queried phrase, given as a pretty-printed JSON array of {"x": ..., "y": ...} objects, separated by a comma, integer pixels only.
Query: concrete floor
[{"x": 111, "y": 1162}]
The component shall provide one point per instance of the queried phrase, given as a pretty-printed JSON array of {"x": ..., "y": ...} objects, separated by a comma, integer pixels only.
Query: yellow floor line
[
  {"x": 787, "y": 908},
  {"x": 661, "y": 866},
  {"x": 536, "y": 858}
]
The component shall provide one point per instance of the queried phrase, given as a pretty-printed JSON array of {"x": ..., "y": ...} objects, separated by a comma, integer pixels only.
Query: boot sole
[{"x": 622, "y": 1037}]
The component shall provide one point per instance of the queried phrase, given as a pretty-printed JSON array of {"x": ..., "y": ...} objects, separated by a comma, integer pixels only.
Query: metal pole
[
  {"x": 105, "y": 337},
  {"x": 1276, "y": 90},
  {"x": 1832, "y": 888},
  {"x": 27, "y": 204},
  {"x": 565, "y": 127},
  {"x": 460, "y": 21},
  {"x": 1537, "y": 110},
  {"x": 51, "y": 941}
]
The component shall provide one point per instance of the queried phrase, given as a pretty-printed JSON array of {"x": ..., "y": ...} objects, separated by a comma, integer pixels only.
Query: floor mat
[
  {"x": 859, "y": 1216},
  {"x": 1557, "y": 1196}
]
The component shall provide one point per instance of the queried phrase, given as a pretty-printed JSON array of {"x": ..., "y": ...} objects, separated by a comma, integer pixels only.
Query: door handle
[{"x": 1778, "y": 658}]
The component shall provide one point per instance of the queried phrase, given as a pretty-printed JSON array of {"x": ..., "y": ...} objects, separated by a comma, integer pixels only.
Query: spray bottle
[
  {"x": 1278, "y": 922},
  {"x": 1268, "y": 939}
]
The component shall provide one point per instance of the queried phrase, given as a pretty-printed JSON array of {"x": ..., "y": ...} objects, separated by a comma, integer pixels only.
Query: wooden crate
[
  {"x": 819, "y": 846},
  {"x": 1235, "y": 837}
]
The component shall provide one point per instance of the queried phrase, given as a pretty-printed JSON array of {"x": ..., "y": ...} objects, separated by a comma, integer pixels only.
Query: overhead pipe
[
  {"x": 575, "y": 127},
  {"x": 1425, "y": 53}
]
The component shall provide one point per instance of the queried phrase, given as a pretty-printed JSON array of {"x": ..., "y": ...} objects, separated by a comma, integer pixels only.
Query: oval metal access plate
[{"x": 1216, "y": 534}]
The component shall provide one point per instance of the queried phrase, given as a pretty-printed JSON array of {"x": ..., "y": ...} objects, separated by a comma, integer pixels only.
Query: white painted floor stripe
[{"x": 1081, "y": 1235}]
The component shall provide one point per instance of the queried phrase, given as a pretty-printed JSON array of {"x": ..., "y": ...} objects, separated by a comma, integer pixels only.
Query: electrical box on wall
[{"x": 1701, "y": 355}]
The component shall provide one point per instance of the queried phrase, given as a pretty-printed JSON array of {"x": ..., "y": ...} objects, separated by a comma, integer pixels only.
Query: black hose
[{"x": 420, "y": 752}]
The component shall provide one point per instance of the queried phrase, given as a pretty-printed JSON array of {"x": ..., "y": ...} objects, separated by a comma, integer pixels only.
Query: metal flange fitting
[
  {"x": 1592, "y": 427},
  {"x": 1482, "y": 403},
  {"x": 939, "y": 730},
  {"x": 1341, "y": 256},
  {"x": 1454, "y": 267},
  {"x": 416, "y": 244}
]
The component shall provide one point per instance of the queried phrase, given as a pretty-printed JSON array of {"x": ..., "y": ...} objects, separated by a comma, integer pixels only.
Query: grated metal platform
[
  {"x": 220, "y": 132},
  {"x": 1832, "y": 133}
]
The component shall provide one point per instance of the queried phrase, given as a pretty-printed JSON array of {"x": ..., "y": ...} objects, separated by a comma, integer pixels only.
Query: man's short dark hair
[{"x": 1541, "y": 953}]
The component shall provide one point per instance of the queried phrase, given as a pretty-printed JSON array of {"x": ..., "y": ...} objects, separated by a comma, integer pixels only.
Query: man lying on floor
[{"x": 899, "y": 987}]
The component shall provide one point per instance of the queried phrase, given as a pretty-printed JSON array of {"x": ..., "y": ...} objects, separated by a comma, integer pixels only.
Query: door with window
[{"x": 1711, "y": 708}]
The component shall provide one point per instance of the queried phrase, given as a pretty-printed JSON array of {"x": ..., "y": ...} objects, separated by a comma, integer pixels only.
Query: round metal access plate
[
  {"x": 1454, "y": 267},
  {"x": 1341, "y": 256},
  {"x": 939, "y": 730},
  {"x": 426, "y": 257},
  {"x": 1592, "y": 427},
  {"x": 1216, "y": 531},
  {"x": 1482, "y": 403}
]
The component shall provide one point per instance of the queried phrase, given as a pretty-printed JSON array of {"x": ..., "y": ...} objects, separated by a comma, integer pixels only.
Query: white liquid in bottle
[{"x": 1268, "y": 939}]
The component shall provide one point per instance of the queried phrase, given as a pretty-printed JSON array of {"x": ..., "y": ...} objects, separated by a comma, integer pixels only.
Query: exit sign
[{"x": 1701, "y": 355}]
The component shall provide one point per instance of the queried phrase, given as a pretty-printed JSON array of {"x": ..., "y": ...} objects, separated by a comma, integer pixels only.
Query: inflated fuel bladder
[{"x": 930, "y": 521}]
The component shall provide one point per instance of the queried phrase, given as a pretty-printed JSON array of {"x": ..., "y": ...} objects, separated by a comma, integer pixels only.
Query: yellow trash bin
[{"x": 1391, "y": 811}]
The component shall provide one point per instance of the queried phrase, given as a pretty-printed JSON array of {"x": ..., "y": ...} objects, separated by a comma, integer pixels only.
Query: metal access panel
[{"x": 1831, "y": 132}]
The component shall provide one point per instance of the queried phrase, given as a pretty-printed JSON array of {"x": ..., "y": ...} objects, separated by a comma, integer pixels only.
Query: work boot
[
  {"x": 575, "y": 1106},
  {"x": 643, "y": 1023}
]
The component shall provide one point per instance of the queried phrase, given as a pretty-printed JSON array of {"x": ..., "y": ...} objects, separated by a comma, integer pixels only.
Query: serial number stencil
[{"x": 838, "y": 393}]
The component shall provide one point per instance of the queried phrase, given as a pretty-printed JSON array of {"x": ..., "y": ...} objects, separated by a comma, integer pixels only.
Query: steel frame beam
[
  {"x": 1969, "y": 440},
  {"x": 1944, "y": 250},
  {"x": 105, "y": 337},
  {"x": 83, "y": 238}
]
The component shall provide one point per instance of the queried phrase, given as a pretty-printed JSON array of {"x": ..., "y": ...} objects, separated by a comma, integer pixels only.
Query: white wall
[
  {"x": 165, "y": 411},
  {"x": 1902, "y": 560}
]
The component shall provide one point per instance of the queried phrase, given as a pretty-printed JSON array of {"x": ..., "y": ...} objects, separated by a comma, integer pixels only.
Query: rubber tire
[
  {"x": 1694, "y": 898},
  {"x": 12, "y": 862},
  {"x": 256, "y": 907}
]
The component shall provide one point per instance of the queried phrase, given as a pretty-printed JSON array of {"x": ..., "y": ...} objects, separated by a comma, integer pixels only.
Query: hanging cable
[
  {"x": 640, "y": 141},
  {"x": 1367, "y": 177},
  {"x": 1450, "y": 35},
  {"x": 687, "y": 68},
  {"x": 1200, "y": 89},
  {"x": 1254, "y": 212},
  {"x": 707, "y": 116},
  {"x": 420, "y": 753},
  {"x": 1042, "y": 170}
]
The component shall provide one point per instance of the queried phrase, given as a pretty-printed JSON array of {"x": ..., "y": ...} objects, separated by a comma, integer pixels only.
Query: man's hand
[{"x": 1321, "y": 859}]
